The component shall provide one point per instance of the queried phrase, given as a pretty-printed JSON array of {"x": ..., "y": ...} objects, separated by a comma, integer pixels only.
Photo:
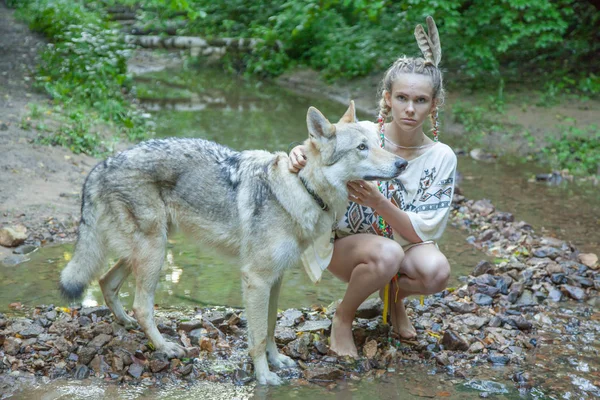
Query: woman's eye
[
  {"x": 362, "y": 146},
  {"x": 421, "y": 100}
]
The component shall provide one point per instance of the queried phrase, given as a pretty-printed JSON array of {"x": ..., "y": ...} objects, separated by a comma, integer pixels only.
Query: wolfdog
[{"x": 248, "y": 204}]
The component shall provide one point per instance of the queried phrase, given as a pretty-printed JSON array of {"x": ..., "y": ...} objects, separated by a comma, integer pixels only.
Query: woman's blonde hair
[{"x": 426, "y": 65}]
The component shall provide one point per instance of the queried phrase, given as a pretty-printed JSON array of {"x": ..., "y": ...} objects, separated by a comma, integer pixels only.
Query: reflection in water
[{"x": 175, "y": 270}]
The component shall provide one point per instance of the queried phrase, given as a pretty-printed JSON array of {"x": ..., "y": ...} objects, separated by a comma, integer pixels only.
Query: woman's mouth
[{"x": 408, "y": 121}]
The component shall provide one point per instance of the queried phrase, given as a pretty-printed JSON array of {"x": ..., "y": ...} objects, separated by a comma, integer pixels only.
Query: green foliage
[
  {"x": 547, "y": 40},
  {"x": 84, "y": 65},
  {"x": 354, "y": 37},
  {"x": 577, "y": 150},
  {"x": 76, "y": 135}
]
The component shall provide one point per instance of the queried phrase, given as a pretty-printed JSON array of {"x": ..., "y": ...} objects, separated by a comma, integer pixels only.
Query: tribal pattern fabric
[{"x": 424, "y": 191}]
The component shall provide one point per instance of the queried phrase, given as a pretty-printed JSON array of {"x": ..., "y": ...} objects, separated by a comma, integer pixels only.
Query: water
[{"x": 246, "y": 115}]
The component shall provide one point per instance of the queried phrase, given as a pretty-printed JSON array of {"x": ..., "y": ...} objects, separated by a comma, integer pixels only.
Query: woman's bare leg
[
  {"x": 424, "y": 270},
  {"x": 366, "y": 262}
]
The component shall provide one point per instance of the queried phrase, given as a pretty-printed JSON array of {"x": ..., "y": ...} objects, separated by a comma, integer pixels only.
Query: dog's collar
[{"x": 315, "y": 196}]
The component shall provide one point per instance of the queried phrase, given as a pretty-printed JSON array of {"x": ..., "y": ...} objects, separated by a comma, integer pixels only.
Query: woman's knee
[
  {"x": 436, "y": 274},
  {"x": 385, "y": 257}
]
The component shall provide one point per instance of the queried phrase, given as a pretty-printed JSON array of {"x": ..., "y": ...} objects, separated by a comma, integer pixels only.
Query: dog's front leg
[
  {"x": 276, "y": 359},
  {"x": 256, "y": 296}
]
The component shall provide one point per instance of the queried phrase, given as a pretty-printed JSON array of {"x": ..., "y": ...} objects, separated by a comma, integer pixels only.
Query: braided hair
[{"x": 428, "y": 66}]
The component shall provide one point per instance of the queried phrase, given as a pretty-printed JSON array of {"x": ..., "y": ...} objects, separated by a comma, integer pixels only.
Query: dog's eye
[{"x": 362, "y": 146}]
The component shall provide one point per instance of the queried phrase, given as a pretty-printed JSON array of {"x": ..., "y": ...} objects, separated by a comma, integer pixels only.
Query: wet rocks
[
  {"x": 86, "y": 354},
  {"x": 136, "y": 370},
  {"x": 370, "y": 349},
  {"x": 483, "y": 207},
  {"x": 101, "y": 311},
  {"x": 284, "y": 335},
  {"x": 323, "y": 373},
  {"x": 476, "y": 347},
  {"x": 13, "y": 236},
  {"x": 482, "y": 299},
  {"x": 590, "y": 260},
  {"x": 299, "y": 348},
  {"x": 31, "y": 331},
  {"x": 82, "y": 372},
  {"x": 462, "y": 307},
  {"x": 188, "y": 326},
  {"x": 555, "y": 295},
  {"x": 483, "y": 267},
  {"x": 452, "y": 341},
  {"x": 12, "y": 345},
  {"x": 574, "y": 292},
  {"x": 546, "y": 251},
  {"x": 471, "y": 321},
  {"x": 25, "y": 249},
  {"x": 526, "y": 299},
  {"x": 290, "y": 318},
  {"x": 370, "y": 308},
  {"x": 314, "y": 326}
]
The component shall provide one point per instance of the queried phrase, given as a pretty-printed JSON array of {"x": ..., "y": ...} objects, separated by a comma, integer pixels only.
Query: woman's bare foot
[
  {"x": 400, "y": 321},
  {"x": 342, "y": 341}
]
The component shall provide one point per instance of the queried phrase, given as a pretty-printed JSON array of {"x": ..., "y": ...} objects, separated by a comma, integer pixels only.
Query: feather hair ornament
[{"x": 429, "y": 43}]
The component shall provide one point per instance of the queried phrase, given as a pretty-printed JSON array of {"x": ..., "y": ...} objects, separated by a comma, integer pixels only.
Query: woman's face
[{"x": 411, "y": 101}]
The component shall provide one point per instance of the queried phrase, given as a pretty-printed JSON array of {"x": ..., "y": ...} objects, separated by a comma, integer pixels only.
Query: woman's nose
[{"x": 409, "y": 108}]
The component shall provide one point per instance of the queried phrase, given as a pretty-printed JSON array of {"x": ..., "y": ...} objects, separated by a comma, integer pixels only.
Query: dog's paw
[
  {"x": 279, "y": 360},
  {"x": 268, "y": 378},
  {"x": 172, "y": 350}
]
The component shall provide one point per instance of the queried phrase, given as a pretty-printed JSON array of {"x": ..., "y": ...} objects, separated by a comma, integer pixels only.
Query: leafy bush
[
  {"x": 354, "y": 37},
  {"x": 577, "y": 150},
  {"x": 84, "y": 65}
]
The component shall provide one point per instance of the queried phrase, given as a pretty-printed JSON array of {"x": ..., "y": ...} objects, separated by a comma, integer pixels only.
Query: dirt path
[{"x": 39, "y": 185}]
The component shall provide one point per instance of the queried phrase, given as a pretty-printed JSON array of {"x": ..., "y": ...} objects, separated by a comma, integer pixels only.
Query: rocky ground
[{"x": 501, "y": 316}]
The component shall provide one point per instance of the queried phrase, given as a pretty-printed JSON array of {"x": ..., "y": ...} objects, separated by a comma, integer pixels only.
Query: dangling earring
[{"x": 436, "y": 124}]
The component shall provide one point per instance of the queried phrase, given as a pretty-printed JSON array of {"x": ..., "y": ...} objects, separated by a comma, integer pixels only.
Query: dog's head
[{"x": 349, "y": 150}]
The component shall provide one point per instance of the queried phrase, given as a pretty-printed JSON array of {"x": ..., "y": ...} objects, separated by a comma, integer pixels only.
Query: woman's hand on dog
[
  {"x": 297, "y": 159},
  {"x": 365, "y": 193}
]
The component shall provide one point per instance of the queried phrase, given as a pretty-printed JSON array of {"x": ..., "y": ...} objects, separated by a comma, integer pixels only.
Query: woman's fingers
[
  {"x": 357, "y": 188},
  {"x": 292, "y": 164},
  {"x": 297, "y": 161}
]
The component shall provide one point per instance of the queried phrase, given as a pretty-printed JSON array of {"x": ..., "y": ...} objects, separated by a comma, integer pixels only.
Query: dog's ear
[
  {"x": 318, "y": 125},
  {"x": 349, "y": 116}
]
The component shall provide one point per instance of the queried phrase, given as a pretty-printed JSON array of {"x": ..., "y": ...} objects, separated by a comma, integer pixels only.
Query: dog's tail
[{"x": 89, "y": 256}]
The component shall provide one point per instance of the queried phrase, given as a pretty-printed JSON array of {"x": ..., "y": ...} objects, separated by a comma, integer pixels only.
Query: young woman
[{"x": 389, "y": 230}]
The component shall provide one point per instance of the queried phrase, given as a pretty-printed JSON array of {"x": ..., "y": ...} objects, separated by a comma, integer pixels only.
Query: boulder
[{"x": 13, "y": 236}]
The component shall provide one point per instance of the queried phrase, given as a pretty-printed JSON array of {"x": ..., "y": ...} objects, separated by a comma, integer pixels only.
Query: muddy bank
[{"x": 498, "y": 318}]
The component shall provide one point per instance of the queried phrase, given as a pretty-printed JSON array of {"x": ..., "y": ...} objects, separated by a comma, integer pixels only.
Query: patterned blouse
[{"x": 424, "y": 191}]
